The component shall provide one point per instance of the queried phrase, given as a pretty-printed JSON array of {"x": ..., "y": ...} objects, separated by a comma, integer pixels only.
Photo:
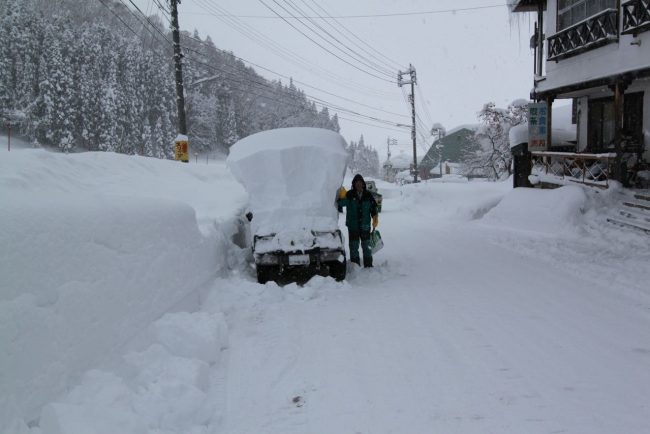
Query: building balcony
[
  {"x": 593, "y": 32},
  {"x": 636, "y": 17}
]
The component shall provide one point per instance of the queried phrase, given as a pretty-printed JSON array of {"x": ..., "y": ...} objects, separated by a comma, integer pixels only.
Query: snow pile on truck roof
[{"x": 292, "y": 176}]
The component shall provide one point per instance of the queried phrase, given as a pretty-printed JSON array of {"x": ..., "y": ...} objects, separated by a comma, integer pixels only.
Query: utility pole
[
  {"x": 182, "y": 145},
  {"x": 412, "y": 81}
]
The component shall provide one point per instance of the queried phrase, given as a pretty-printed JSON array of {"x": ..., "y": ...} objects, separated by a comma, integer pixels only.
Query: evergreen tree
[{"x": 84, "y": 81}]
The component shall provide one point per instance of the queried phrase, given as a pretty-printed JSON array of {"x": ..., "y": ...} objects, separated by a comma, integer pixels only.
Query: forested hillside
[{"x": 94, "y": 75}]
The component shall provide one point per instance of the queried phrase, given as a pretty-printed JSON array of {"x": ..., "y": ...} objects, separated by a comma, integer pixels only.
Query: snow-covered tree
[
  {"x": 493, "y": 158},
  {"x": 363, "y": 158},
  {"x": 81, "y": 79}
]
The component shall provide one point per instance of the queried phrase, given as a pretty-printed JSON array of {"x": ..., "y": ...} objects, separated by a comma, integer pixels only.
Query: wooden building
[{"x": 597, "y": 54}]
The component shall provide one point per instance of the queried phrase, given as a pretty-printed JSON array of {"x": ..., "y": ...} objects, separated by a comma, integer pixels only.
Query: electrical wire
[
  {"x": 379, "y": 56},
  {"x": 386, "y": 124},
  {"x": 323, "y": 103},
  {"x": 284, "y": 53},
  {"x": 321, "y": 46},
  {"x": 308, "y": 85},
  {"x": 395, "y": 14},
  {"x": 338, "y": 43}
]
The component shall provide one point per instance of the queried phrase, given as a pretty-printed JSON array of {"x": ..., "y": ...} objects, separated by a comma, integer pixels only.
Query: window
[
  {"x": 570, "y": 12},
  {"x": 600, "y": 127}
]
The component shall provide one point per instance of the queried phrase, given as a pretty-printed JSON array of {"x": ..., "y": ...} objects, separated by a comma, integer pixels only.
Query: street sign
[
  {"x": 182, "y": 149},
  {"x": 537, "y": 116}
]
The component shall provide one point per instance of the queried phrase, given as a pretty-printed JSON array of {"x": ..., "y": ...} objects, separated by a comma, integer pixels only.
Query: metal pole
[
  {"x": 9, "y": 138},
  {"x": 413, "y": 135},
  {"x": 412, "y": 82}
]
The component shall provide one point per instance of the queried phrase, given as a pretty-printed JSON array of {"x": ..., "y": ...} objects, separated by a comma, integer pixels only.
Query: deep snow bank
[
  {"x": 545, "y": 211},
  {"x": 93, "y": 248},
  {"x": 168, "y": 388},
  {"x": 443, "y": 203}
]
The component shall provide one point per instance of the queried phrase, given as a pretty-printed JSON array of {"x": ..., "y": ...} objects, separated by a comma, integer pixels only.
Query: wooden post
[
  {"x": 540, "y": 38},
  {"x": 618, "y": 127},
  {"x": 549, "y": 122}
]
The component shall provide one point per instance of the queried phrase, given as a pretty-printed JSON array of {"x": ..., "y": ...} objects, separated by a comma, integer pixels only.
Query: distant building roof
[
  {"x": 455, "y": 144},
  {"x": 470, "y": 127}
]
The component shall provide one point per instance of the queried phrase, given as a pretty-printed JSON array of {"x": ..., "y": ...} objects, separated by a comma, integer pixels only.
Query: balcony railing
[
  {"x": 595, "y": 31},
  {"x": 561, "y": 168},
  {"x": 636, "y": 16}
]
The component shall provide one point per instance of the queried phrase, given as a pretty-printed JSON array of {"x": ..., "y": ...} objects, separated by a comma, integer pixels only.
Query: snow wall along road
[
  {"x": 292, "y": 176},
  {"x": 94, "y": 247}
]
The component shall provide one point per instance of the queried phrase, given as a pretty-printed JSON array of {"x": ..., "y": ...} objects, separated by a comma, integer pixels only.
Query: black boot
[
  {"x": 367, "y": 262},
  {"x": 356, "y": 261}
]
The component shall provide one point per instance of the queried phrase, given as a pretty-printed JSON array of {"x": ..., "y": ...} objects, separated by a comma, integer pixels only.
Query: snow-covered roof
[
  {"x": 564, "y": 131},
  {"x": 471, "y": 127},
  {"x": 519, "y": 134},
  {"x": 523, "y": 5}
]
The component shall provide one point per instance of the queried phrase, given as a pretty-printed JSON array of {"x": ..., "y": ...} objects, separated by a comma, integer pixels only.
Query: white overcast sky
[{"x": 462, "y": 58}]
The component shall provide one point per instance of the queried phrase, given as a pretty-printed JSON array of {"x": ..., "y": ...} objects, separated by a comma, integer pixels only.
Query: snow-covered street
[
  {"x": 483, "y": 314},
  {"x": 451, "y": 333}
]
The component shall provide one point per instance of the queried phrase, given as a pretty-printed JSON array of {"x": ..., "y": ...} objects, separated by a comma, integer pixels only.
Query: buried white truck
[{"x": 292, "y": 176}]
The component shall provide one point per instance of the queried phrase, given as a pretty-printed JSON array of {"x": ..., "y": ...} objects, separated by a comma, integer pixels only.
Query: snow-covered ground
[{"x": 125, "y": 308}]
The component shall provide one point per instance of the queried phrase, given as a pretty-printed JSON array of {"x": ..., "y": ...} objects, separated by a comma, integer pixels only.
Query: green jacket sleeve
[{"x": 373, "y": 206}]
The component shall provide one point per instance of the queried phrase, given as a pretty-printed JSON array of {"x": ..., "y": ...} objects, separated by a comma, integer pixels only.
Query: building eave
[
  {"x": 575, "y": 88},
  {"x": 527, "y": 5}
]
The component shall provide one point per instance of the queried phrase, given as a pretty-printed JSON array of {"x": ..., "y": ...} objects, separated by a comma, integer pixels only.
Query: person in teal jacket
[{"x": 360, "y": 216}]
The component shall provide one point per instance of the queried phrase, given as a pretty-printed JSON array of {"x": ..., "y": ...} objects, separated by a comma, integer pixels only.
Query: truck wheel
[
  {"x": 337, "y": 270},
  {"x": 266, "y": 273}
]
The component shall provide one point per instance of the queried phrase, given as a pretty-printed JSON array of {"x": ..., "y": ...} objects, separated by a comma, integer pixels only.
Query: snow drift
[
  {"x": 93, "y": 248},
  {"x": 292, "y": 176},
  {"x": 535, "y": 210}
]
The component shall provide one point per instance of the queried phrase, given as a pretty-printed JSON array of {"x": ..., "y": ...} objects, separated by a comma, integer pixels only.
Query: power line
[
  {"x": 121, "y": 19},
  {"x": 164, "y": 12},
  {"x": 318, "y": 44},
  {"x": 387, "y": 61},
  {"x": 144, "y": 25},
  {"x": 396, "y": 14},
  {"x": 382, "y": 69},
  {"x": 161, "y": 6},
  {"x": 305, "y": 84},
  {"x": 321, "y": 102},
  {"x": 155, "y": 27},
  {"x": 290, "y": 56},
  {"x": 265, "y": 84}
]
